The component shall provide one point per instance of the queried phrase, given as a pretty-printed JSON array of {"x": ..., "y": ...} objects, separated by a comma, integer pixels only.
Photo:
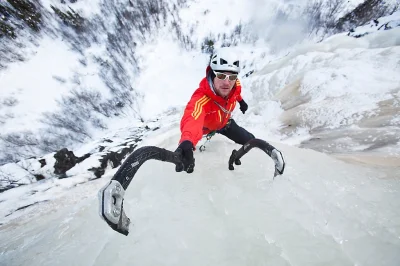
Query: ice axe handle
[
  {"x": 275, "y": 155},
  {"x": 111, "y": 196}
]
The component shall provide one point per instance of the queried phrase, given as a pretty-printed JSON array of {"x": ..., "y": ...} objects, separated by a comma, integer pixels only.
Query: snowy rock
[
  {"x": 65, "y": 160},
  {"x": 381, "y": 24}
]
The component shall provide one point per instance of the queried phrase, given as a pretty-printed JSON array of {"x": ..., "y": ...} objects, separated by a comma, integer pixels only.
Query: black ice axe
[{"x": 111, "y": 196}]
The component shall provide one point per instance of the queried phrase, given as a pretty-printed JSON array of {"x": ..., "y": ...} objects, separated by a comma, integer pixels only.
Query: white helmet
[{"x": 225, "y": 60}]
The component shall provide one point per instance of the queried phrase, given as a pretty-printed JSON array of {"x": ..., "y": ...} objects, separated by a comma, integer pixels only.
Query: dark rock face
[
  {"x": 65, "y": 160},
  {"x": 366, "y": 11},
  {"x": 39, "y": 177},
  {"x": 42, "y": 162},
  {"x": 114, "y": 157}
]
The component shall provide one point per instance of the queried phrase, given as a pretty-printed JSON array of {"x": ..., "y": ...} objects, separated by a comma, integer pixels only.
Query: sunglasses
[{"x": 223, "y": 76}]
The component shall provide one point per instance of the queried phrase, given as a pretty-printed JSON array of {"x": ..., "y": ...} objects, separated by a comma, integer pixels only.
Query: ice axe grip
[{"x": 263, "y": 145}]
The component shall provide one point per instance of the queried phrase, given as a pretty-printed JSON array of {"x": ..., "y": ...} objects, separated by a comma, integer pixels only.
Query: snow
[
  {"x": 169, "y": 76},
  {"x": 338, "y": 97},
  {"x": 86, "y": 8},
  {"x": 308, "y": 216},
  {"x": 338, "y": 83},
  {"x": 382, "y": 24},
  {"x": 35, "y": 81}
]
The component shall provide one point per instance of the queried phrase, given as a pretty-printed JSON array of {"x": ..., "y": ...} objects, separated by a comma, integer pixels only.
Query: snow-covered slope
[
  {"x": 57, "y": 67},
  {"x": 339, "y": 96},
  {"x": 322, "y": 211},
  {"x": 380, "y": 24}
]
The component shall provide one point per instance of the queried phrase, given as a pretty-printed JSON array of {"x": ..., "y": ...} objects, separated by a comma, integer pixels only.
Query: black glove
[
  {"x": 243, "y": 106},
  {"x": 186, "y": 150}
]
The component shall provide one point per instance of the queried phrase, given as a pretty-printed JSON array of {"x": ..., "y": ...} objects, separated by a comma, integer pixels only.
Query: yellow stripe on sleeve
[
  {"x": 198, "y": 107},
  {"x": 197, "y": 104}
]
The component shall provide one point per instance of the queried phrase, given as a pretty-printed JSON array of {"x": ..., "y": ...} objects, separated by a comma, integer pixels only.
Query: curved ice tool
[
  {"x": 275, "y": 154},
  {"x": 111, "y": 196}
]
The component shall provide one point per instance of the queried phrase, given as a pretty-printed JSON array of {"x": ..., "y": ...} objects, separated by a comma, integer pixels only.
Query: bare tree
[
  {"x": 365, "y": 12},
  {"x": 125, "y": 25},
  {"x": 321, "y": 15}
]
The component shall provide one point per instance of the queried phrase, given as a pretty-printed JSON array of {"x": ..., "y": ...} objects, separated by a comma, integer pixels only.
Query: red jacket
[{"x": 206, "y": 111}]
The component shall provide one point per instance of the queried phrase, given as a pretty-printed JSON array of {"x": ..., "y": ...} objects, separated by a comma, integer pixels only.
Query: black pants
[{"x": 236, "y": 133}]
